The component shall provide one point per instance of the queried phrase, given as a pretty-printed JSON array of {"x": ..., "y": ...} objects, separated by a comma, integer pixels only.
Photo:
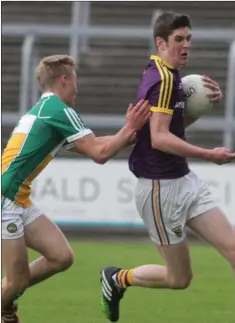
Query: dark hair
[{"x": 169, "y": 21}]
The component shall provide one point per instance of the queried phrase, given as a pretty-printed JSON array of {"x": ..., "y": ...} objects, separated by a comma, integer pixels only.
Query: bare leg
[
  {"x": 16, "y": 269},
  {"x": 215, "y": 228},
  {"x": 176, "y": 274},
  {"x": 44, "y": 236}
]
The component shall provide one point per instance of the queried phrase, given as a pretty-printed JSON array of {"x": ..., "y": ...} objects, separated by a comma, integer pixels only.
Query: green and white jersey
[{"x": 36, "y": 139}]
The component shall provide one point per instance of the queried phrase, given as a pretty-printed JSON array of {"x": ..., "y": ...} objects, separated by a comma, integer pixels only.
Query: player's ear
[
  {"x": 160, "y": 43},
  {"x": 63, "y": 80}
]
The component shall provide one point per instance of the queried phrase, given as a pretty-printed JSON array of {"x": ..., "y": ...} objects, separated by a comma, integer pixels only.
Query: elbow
[
  {"x": 101, "y": 160},
  {"x": 155, "y": 144},
  {"x": 101, "y": 156},
  {"x": 158, "y": 142}
]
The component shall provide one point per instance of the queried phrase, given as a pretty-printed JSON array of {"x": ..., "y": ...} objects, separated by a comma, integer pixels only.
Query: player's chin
[
  {"x": 183, "y": 61},
  {"x": 72, "y": 103}
]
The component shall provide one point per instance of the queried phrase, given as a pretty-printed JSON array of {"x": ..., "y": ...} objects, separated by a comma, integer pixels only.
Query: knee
[
  {"x": 65, "y": 260},
  {"x": 180, "y": 282}
]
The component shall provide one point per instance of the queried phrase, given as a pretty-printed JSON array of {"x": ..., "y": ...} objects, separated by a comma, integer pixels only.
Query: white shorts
[
  {"x": 15, "y": 218},
  {"x": 167, "y": 205}
]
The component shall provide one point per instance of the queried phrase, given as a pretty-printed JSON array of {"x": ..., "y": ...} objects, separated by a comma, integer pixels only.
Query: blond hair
[{"x": 51, "y": 68}]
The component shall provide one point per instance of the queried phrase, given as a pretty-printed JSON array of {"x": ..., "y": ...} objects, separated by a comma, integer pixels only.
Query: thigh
[
  {"x": 215, "y": 228},
  {"x": 177, "y": 260},
  {"x": 160, "y": 207},
  {"x": 45, "y": 237}
]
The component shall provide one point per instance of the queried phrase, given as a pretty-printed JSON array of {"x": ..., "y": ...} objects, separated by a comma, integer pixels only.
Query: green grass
[{"x": 73, "y": 296}]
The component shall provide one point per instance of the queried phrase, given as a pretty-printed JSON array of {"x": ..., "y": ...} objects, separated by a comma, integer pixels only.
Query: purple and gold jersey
[{"x": 161, "y": 85}]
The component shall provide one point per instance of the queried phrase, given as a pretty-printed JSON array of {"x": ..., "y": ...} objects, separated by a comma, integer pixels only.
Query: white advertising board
[{"x": 80, "y": 192}]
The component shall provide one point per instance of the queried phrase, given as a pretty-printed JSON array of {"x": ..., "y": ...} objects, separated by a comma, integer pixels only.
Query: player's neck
[
  {"x": 47, "y": 93},
  {"x": 56, "y": 92},
  {"x": 168, "y": 61}
]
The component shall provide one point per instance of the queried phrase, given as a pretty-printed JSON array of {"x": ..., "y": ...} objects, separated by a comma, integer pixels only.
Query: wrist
[
  {"x": 128, "y": 132},
  {"x": 207, "y": 155}
]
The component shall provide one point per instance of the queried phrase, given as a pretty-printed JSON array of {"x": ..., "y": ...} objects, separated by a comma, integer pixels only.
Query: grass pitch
[{"x": 74, "y": 296}]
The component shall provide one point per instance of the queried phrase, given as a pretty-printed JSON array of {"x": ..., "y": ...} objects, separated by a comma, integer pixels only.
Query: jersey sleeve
[
  {"x": 161, "y": 93},
  {"x": 68, "y": 146},
  {"x": 69, "y": 124}
]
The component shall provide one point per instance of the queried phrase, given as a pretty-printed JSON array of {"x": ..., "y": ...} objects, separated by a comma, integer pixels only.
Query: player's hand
[
  {"x": 217, "y": 95},
  {"x": 222, "y": 155},
  {"x": 138, "y": 115}
]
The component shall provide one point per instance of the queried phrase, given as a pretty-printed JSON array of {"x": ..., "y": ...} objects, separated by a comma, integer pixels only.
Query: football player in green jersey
[{"x": 51, "y": 124}]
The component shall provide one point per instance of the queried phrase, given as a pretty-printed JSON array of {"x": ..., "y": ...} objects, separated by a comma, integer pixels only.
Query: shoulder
[
  {"x": 54, "y": 105},
  {"x": 156, "y": 73},
  {"x": 150, "y": 78},
  {"x": 50, "y": 106},
  {"x": 151, "y": 73}
]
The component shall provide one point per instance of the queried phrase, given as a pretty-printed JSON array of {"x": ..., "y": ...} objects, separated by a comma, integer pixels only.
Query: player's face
[
  {"x": 178, "y": 45},
  {"x": 69, "y": 88},
  {"x": 72, "y": 89}
]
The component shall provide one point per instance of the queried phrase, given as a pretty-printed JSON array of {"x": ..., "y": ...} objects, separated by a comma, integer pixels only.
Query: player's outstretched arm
[
  {"x": 128, "y": 116},
  {"x": 164, "y": 140},
  {"x": 101, "y": 150}
]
